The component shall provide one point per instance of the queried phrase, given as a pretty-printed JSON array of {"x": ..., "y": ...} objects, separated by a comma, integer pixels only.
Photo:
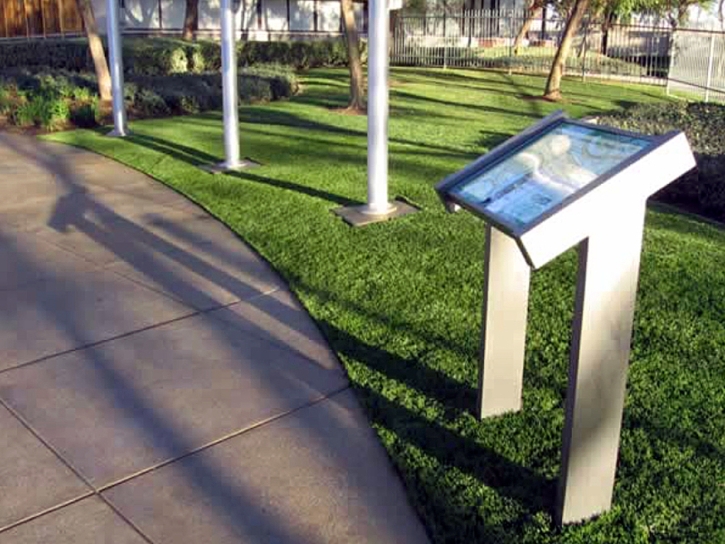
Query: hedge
[
  {"x": 55, "y": 99},
  {"x": 702, "y": 190},
  {"x": 167, "y": 56}
]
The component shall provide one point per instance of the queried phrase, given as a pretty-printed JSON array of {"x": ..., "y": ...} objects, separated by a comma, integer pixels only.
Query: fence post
[
  {"x": 584, "y": 52},
  {"x": 673, "y": 36},
  {"x": 445, "y": 39},
  {"x": 511, "y": 41},
  {"x": 709, "y": 66}
]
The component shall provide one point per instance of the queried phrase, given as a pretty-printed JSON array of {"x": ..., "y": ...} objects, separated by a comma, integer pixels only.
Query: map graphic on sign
[{"x": 530, "y": 181}]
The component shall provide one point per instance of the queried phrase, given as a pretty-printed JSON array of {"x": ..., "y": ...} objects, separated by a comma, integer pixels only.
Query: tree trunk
[
  {"x": 357, "y": 101},
  {"x": 531, "y": 14},
  {"x": 96, "y": 47},
  {"x": 191, "y": 20},
  {"x": 553, "y": 84}
]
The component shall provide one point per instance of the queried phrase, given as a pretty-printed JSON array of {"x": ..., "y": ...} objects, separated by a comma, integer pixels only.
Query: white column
[
  {"x": 115, "y": 66},
  {"x": 229, "y": 87},
  {"x": 378, "y": 31}
]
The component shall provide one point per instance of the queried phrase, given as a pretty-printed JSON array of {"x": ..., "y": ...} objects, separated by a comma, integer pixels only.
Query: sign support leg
[
  {"x": 602, "y": 331},
  {"x": 503, "y": 334}
]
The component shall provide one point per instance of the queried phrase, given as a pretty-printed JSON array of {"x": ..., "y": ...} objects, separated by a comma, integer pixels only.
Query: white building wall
[
  {"x": 141, "y": 15},
  {"x": 172, "y": 13},
  {"x": 328, "y": 17},
  {"x": 302, "y": 15},
  {"x": 274, "y": 13}
]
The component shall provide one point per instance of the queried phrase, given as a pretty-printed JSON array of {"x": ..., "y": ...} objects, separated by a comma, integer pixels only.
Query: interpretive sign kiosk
[{"x": 557, "y": 184}]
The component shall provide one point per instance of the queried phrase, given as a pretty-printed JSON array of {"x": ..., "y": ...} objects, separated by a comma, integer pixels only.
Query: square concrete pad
[
  {"x": 190, "y": 257},
  {"x": 316, "y": 476},
  {"x": 130, "y": 404},
  {"x": 203, "y": 278},
  {"x": 280, "y": 318},
  {"x": 355, "y": 216},
  {"x": 52, "y": 316},
  {"x": 25, "y": 258},
  {"x": 90, "y": 521},
  {"x": 32, "y": 478}
]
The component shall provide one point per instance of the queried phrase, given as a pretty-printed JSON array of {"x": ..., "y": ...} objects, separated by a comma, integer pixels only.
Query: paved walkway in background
[{"x": 158, "y": 382}]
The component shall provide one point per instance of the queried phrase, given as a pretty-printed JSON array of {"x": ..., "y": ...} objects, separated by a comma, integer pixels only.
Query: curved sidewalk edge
[{"x": 159, "y": 382}]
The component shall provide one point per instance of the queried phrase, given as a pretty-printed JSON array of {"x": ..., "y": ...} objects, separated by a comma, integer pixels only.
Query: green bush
[
  {"x": 282, "y": 80},
  {"x": 8, "y": 98},
  {"x": 49, "y": 113},
  {"x": 148, "y": 103},
  {"x": 254, "y": 89},
  {"x": 84, "y": 114},
  {"x": 166, "y": 56},
  {"x": 24, "y": 115},
  {"x": 211, "y": 52},
  {"x": 153, "y": 56},
  {"x": 185, "y": 93},
  {"x": 702, "y": 190},
  {"x": 59, "y": 54},
  {"x": 49, "y": 82},
  {"x": 50, "y": 100},
  {"x": 53, "y": 112},
  {"x": 197, "y": 62}
]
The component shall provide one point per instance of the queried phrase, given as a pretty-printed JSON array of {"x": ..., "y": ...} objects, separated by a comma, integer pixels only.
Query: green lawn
[{"x": 400, "y": 303}]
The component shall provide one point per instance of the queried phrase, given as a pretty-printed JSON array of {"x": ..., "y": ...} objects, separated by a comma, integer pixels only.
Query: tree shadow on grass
[
  {"x": 491, "y": 138},
  {"x": 480, "y": 108},
  {"x": 271, "y": 116},
  {"x": 410, "y": 160},
  {"x": 532, "y": 491}
]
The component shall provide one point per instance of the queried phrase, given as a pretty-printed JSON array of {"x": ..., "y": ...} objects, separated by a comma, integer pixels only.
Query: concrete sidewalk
[{"x": 159, "y": 383}]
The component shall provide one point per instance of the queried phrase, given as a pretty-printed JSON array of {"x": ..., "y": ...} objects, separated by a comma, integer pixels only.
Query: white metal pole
[
  {"x": 229, "y": 86},
  {"x": 115, "y": 65},
  {"x": 378, "y": 109}
]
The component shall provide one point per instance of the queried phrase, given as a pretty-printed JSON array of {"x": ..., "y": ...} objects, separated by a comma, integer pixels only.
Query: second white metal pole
[
  {"x": 229, "y": 86},
  {"x": 115, "y": 66},
  {"x": 378, "y": 109}
]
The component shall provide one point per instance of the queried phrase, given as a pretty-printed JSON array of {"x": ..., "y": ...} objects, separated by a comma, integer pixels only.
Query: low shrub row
[
  {"x": 702, "y": 190},
  {"x": 56, "y": 99},
  {"x": 166, "y": 56}
]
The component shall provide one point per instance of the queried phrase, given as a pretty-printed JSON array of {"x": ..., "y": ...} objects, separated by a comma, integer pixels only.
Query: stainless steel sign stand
[{"x": 558, "y": 184}]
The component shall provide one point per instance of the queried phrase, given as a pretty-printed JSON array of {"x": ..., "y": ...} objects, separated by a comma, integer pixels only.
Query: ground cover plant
[
  {"x": 149, "y": 56},
  {"x": 58, "y": 99},
  {"x": 400, "y": 303},
  {"x": 702, "y": 190}
]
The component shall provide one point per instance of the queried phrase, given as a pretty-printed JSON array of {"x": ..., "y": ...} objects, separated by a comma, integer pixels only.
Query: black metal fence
[{"x": 486, "y": 39}]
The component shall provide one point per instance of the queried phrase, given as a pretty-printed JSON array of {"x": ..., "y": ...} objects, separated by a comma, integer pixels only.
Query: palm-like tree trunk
[
  {"x": 357, "y": 100},
  {"x": 96, "y": 47},
  {"x": 553, "y": 84},
  {"x": 191, "y": 20}
]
